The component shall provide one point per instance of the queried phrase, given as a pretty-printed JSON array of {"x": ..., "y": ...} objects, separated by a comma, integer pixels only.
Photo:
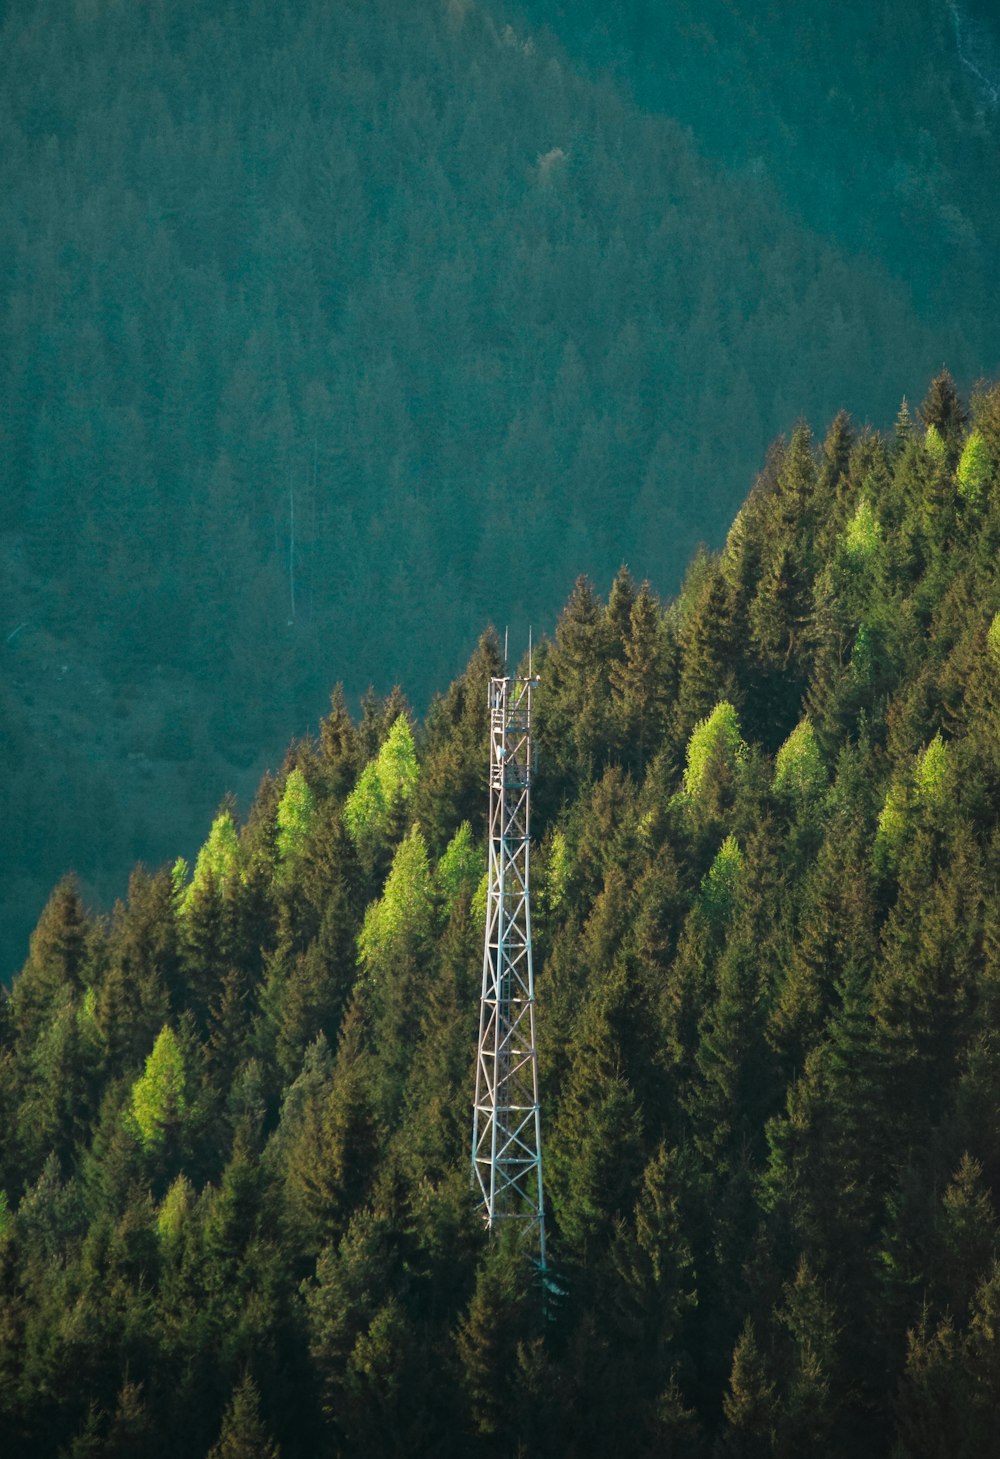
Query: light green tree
[
  {"x": 935, "y": 444},
  {"x": 403, "y": 913},
  {"x": 220, "y": 861},
  {"x": 715, "y": 739},
  {"x": 175, "y": 1209},
  {"x": 480, "y": 898},
  {"x": 974, "y": 468},
  {"x": 993, "y": 636},
  {"x": 932, "y": 773},
  {"x": 862, "y": 536},
  {"x": 159, "y": 1097},
  {"x": 557, "y": 869},
  {"x": 386, "y": 781},
  {"x": 296, "y": 812},
  {"x": 928, "y": 785},
  {"x": 460, "y": 866},
  {"x": 799, "y": 772}
]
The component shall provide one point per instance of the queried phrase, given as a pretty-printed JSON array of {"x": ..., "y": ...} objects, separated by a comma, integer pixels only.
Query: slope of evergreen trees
[
  {"x": 234, "y": 1115},
  {"x": 312, "y": 315},
  {"x": 875, "y": 124}
]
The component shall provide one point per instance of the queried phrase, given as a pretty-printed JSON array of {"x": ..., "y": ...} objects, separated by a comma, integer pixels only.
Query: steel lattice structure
[{"x": 506, "y": 1129}]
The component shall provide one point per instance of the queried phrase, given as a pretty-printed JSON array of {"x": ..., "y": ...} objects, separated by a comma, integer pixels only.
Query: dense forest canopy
[
  {"x": 331, "y": 332},
  {"x": 876, "y": 125},
  {"x": 234, "y": 1114}
]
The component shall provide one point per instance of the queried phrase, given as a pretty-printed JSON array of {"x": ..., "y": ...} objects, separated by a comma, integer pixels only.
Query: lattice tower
[{"x": 506, "y": 1129}]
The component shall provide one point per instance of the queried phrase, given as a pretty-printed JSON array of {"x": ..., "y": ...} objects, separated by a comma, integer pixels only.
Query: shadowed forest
[
  {"x": 234, "y": 1114},
  {"x": 332, "y": 333}
]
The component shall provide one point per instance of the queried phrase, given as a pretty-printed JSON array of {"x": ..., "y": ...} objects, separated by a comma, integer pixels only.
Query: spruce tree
[{"x": 243, "y": 1434}]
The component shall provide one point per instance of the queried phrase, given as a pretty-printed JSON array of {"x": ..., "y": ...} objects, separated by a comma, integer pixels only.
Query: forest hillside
[
  {"x": 329, "y": 333},
  {"x": 234, "y": 1114},
  {"x": 875, "y": 125}
]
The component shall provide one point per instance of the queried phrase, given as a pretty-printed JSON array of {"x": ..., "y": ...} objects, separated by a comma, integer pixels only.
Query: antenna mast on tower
[{"x": 506, "y": 1128}]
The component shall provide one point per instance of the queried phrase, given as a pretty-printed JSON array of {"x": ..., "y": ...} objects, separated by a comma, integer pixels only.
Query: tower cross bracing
[{"x": 506, "y": 1131}]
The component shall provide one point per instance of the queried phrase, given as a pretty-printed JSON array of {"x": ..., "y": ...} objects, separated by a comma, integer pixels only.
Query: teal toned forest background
[
  {"x": 235, "y": 1213},
  {"x": 331, "y": 333}
]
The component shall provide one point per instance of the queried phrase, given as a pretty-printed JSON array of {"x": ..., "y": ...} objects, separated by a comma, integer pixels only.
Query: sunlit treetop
[
  {"x": 387, "y": 780},
  {"x": 716, "y": 738},
  {"x": 974, "y": 468},
  {"x": 799, "y": 770}
]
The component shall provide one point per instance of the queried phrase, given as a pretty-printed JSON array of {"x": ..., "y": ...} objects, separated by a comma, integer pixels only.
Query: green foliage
[
  {"x": 935, "y": 445},
  {"x": 993, "y": 636},
  {"x": 749, "y": 1405},
  {"x": 930, "y": 786},
  {"x": 219, "y": 864},
  {"x": 296, "y": 812},
  {"x": 942, "y": 410},
  {"x": 179, "y": 874},
  {"x": 480, "y": 899},
  {"x": 863, "y": 653},
  {"x": 402, "y": 916},
  {"x": 244, "y": 1435},
  {"x": 557, "y": 869},
  {"x": 863, "y": 537},
  {"x": 892, "y": 821},
  {"x": 159, "y": 1096},
  {"x": 235, "y": 1142},
  {"x": 931, "y": 775},
  {"x": 175, "y": 1210},
  {"x": 799, "y": 771},
  {"x": 387, "y": 782},
  {"x": 460, "y": 868},
  {"x": 975, "y": 468},
  {"x": 715, "y": 743},
  {"x": 718, "y": 890}
]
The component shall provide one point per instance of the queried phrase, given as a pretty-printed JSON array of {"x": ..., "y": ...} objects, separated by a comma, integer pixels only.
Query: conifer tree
[
  {"x": 637, "y": 681},
  {"x": 621, "y": 600},
  {"x": 56, "y": 960},
  {"x": 707, "y": 669},
  {"x": 750, "y": 1405},
  {"x": 328, "y": 1165},
  {"x": 159, "y": 1097},
  {"x": 942, "y": 408},
  {"x": 574, "y": 702},
  {"x": 488, "y": 1342},
  {"x": 243, "y": 1434},
  {"x": 337, "y": 743}
]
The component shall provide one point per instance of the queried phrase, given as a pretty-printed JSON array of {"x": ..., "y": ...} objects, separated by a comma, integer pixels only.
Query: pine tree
[
  {"x": 637, "y": 686},
  {"x": 750, "y": 1405},
  {"x": 621, "y": 600},
  {"x": 808, "y": 1418},
  {"x": 328, "y": 1165},
  {"x": 942, "y": 408},
  {"x": 707, "y": 674},
  {"x": 133, "y": 997},
  {"x": 574, "y": 701},
  {"x": 244, "y": 1435},
  {"x": 595, "y": 1150},
  {"x": 56, "y": 960},
  {"x": 159, "y": 1097},
  {"x": 487, "y": 1344},
  {"x": 653, "y": 1263},
  {"x": 337, "y": 744}
]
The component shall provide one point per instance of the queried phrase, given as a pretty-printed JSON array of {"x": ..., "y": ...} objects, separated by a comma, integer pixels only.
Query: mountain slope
[
  {"x": 329, "y": 334},
  {"x": 234, "y": 1143}
]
